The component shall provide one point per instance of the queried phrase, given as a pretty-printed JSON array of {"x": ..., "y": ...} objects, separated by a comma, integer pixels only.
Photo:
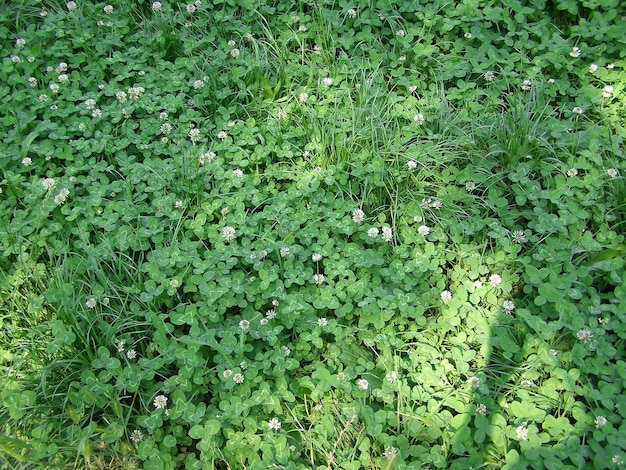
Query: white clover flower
[
  {"x": 71, "y": 6},
  {"x": 474, "y": 382},
  {"x": 550, "y": 80},
  {"x": 198, "y": 84},
  {"x": 319, "y": 279},
  {"x": 341, "y": 376},
  {"x": 607, "y": 91},
  {"x": 302, "y": 29},
  {"x": 119, "y": 345},
  {"x": 286, "y": 350},
  {"x": 303, "y": 97},
  {"x": 174, "y": 283},
  {"x": 165, "y": 128},
  {"x": 328, "y": 81},
  {"x": 411, "y": 164},
  {"x": 446, "y": 296},
  {"x": 135, "y": 92},
  {"x": 60, "y": 198},
  {"x": 391, "y": 376},
  {"x": 387, "y": 234},
  {"x": 578, "y": 110},
  {"x": 584, "y": 336},
  {"x": 136, "y": 436},
  {"x": 316, "y": 257},
  {"x": 610, "y": 66},
  {"x": 228, "y": 233},
  {"x": 521, "y": 432},
  {"x": 508, "y": 306},
  {"x": 575, "y": 52},
  {"x": 612, "y": 172},
  {"x": 90, "y": 103},
  {"x": 600, "y": 422},
  {"x": 42, "y": 98},
  {"x": 244, "y": 324},
  {"x": 418, "y": 119},
  {"x": 617, "y": 460},
  {"x": 352, "y": 13},
  {"x": 468, "y": 35},
  {"x": 593, "y": 68},
  {"x": 481, "y": 409},
  {"x": 178, "y": 204},
  {"x": 63, "y": 78},
  {"x": 372, "y": 232},
  {"x": 284, "y": 251},
  {"x": 234, "y": 53},
  {"x": 423, "y": 230},
  {"x": 163, "y": 116},
  {"x": 413, "y": 88},
  {"x": 48, "y": 183},
  {"x": 238, "y": 378},
  {"x": 401, "y": 33},
  {"x": 358, "y": 216},
  {"x": 191, "y": 8},
  {"x": 156, "y": 6},
  {"x": 121, "y": 96},
  {"x": 160, "y": 402},
  {"x": 270, "y": 314},
  {"x": 206, "y": 157},
  {"x": 20, "y": 42},
  {"x": 222, "y": 135},
  {"x": 488, "y": 75},
  {"x": 264, "y": 321},
  {"x": 227, "y": 373},
  {"x": 390, "y": 452},
  {"x": 362, "y": 384},
  {"x": 96, "y": 113},
  {"x": 194, "y": 135},
  {"x": 526, "y": 84},
  {"x": 317, "y": 49},
  {"x": 281, "y": 114},
  {"x": 131, "y": 354},
  {"x": 91, "y": 303},
  {"x": 237, "y": 173},
  {"x": 108, "y": 9},
  {"x": 54, "y": 87},
  {"x": 274, "y": 424},
  {"x": 322, "y": 322},
  {"x": 26, "y": 161},
  {"x": 572, "y": 172},
  {"x": 495, "y": 280}
]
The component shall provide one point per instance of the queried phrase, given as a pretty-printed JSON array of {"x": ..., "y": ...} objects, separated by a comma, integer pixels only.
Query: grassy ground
[{"x": 383, "y": 235}]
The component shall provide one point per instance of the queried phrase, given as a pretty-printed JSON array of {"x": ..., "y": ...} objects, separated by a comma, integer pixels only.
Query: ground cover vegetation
[{"x": 314, "y": 234}]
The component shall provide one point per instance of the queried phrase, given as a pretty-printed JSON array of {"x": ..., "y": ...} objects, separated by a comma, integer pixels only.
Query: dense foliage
[{"x": 315, "y": 234}]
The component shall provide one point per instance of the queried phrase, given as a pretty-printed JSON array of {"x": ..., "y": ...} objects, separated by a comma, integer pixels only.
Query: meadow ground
[{"x": 312, "y": 235}]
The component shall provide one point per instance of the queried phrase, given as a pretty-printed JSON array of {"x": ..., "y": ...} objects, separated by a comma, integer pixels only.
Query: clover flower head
[
  {"x": 575, "y": 52},
  {"x": 521, "y": 432},
  {"x": 387, "y": 234},
  {"x": 274, "y": 424},
  {"x": 358, "y": 216},
  {"x": 160, "y": 402},
  {"x": 474, "y": 381}
]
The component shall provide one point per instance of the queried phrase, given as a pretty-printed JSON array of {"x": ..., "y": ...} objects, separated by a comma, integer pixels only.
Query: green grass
[{"x": 470, "y": 317}]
